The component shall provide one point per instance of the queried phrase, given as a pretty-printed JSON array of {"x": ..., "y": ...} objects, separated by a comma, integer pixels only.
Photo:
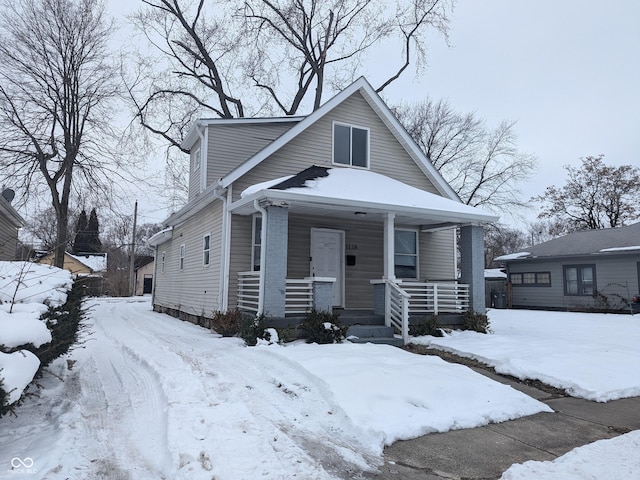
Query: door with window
[{"x": 327, "y": 259}]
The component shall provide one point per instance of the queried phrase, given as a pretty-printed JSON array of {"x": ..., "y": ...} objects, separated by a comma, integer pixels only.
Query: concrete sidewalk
[{"x": 486, "y": 452}]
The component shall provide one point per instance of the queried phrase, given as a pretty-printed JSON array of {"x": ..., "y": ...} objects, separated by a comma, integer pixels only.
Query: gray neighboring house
[
  {"x": 339, "y": 209},
  {"x": 590, "y": 269},
  {"x": 10, "y": 223}
]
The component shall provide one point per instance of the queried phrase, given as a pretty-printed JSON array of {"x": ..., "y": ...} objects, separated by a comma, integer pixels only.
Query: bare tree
[
  {"x": 55, "y": 85},
  {"x": 501, "y": 240},
  {"x": 483, "y": 166},
  {"x": 266, "y": 55},
  {"x": 595, "y": 196}
]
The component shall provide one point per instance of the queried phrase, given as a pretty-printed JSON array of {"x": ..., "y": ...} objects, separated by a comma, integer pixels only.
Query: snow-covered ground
[
  {"x": 147, "y": 396},
  {"x": 613, "y": 459},
  {"x": 593, "y": 356}
]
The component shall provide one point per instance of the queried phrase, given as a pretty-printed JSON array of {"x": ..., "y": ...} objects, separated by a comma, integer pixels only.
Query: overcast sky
[{"x": 568, "y": 71}]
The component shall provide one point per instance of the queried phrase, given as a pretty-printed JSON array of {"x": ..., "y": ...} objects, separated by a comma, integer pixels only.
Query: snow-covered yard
[
  {"x": 591, "y": 355},
  {"x": 147, "y": 396}
]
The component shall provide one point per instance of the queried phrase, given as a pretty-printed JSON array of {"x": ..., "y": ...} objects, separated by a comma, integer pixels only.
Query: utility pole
[{"x": 132, "y": 254}]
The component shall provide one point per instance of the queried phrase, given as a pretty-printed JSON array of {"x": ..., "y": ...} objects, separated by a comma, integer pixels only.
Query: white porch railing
[
  {"x": 298, "y": 294},
  {"x": 249, "y": 291},
  {"x": 396, "y": 304},
  {"x": 436, "y": 298}
]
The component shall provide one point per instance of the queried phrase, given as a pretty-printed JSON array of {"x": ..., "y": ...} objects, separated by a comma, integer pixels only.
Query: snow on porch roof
[{"x": 360, "y": 190}]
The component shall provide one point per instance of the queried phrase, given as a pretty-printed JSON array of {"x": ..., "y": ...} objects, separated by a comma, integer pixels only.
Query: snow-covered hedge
[{"x": 27, "y": 290}]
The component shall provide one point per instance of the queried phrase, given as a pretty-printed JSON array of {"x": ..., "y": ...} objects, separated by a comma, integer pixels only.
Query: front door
[{"x": 327, "y": 259}]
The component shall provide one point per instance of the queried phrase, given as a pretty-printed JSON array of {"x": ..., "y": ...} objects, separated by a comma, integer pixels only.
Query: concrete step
[
  {"x": 373, "y": 334},
  {"x": 360, "y": 317},
  {"x": 368, "y": 331},
  {"x": 395, "y": 341}
]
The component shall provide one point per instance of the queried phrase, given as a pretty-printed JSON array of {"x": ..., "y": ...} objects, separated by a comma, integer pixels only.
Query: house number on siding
[{"x": 351, "y": 246}]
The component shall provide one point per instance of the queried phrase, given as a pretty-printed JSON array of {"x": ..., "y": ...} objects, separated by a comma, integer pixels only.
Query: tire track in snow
[
  {"x": 121, "y": 391},
  {"x": 229, "y": 387}
]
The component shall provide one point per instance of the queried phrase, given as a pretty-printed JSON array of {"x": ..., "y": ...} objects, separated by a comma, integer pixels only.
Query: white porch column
[{"x": 389, "y": 246}]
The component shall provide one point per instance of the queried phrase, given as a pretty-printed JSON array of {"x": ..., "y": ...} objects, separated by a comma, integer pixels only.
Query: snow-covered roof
[
  {"x": 97, "y": 262},
  {"x": 356, "y": 190},
  {"x": 608, "y": 241},
  {"x": 513, "y": 256},
  {"x": 160, "y": 237},
  {"x": 494, "y": 273}
]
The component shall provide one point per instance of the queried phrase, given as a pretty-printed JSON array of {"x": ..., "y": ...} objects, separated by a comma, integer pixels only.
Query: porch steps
[{"x": 373, "y": 334}]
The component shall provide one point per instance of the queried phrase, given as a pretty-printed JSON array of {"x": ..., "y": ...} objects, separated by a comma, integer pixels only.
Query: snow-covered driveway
[{"x": 147, "y": 397}]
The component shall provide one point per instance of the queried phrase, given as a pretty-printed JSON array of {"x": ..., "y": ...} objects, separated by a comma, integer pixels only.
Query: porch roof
[{"x": 354, "y": 193}]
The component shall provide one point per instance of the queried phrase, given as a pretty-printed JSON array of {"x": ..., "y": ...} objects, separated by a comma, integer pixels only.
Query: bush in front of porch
[
  {"x": 235, "y": 323},
  {"x": 322, "y": 327}
]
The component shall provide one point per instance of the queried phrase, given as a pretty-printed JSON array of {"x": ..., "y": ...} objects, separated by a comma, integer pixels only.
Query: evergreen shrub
[
  {"x": 478, "y": 322},
  {"x": 322, "y": 327},
  {"x": 427, "y": 326}
]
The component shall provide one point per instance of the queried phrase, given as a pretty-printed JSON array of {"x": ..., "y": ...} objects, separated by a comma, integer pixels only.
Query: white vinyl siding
[
  {"x": 195, "y": 158},
  {"x": 314, "y": 146},
  {"x": 194, "y": 290}
]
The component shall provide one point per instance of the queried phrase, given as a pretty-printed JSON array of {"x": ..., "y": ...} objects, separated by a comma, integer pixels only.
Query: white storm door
[{"x": 327, "y": 259}]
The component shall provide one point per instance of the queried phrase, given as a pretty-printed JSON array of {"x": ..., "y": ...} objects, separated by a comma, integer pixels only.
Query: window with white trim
[
  {"x": 406, "y": 253},
  {"x": 182, "y": 254},
  {"x": 163, "y": 257},
  {"x": 350, "y": 145},
  {"x": 256, "y": 243},
  {"x": 206, "y": 249}
]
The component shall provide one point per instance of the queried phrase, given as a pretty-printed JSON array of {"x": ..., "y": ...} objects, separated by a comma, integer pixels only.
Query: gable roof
[
  {"x": 366, "y": 90},
  {"x": 10, "y": 213},
  {"x": 588, "y": 242},
  {"x": 348, "y": 189}
]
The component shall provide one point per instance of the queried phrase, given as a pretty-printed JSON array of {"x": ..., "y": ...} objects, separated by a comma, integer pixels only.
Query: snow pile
[
  {"x": 26, "y": 290},
  {"x": 591, "y": 355},
  {"x": 615, "y": 458},
  {"x": 396, "y": 395}
]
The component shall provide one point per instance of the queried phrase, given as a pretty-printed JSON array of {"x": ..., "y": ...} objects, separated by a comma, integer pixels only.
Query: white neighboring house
[{"x": 339, "y": 209}]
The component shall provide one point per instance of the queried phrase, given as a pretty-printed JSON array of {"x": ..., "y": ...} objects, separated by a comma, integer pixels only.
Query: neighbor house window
[
  {"x": 196, "y": 159},
  {"x": 406, "y": 254},
  {"x": 350, "y": 145},
  {"x": 579, "y": 279},
  {"x": 256, "y": 243},
  {"x": 531, "y": 279},
  {"x": 182, "y": 252},
  {"x": 206, "y": 249}
]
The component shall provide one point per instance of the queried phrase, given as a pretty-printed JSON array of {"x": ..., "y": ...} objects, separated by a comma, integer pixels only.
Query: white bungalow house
[{"x": 339, "y": 209}]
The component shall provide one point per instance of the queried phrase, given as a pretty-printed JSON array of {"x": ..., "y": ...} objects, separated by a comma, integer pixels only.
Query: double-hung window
[
  {"x": 406, "y": 254},
  {"x": 182, "y": 253},
  {"x": 350, "y": 145},
  {"x": 206, "y": 250},
  {"x": 196, "y": 159},
  {"x": 256, "y": 243},
  {"x": 579, "y": 279},
  {"x": 163, "y": 257}
]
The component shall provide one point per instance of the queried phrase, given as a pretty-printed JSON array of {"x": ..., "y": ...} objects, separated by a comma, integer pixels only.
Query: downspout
[
  {"x": 223, "y": 300},
  {"x": 263, "y": 244}
]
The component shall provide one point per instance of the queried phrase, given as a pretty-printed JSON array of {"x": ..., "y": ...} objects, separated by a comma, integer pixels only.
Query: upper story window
[
  {"x": 579, "y": 279},
  {"x": 350, "y": 145},
  {"x": 196, "y": 159}
]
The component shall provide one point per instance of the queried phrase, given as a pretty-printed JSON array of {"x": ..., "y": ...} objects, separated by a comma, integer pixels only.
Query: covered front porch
[{"x": 320, "y": 243}]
